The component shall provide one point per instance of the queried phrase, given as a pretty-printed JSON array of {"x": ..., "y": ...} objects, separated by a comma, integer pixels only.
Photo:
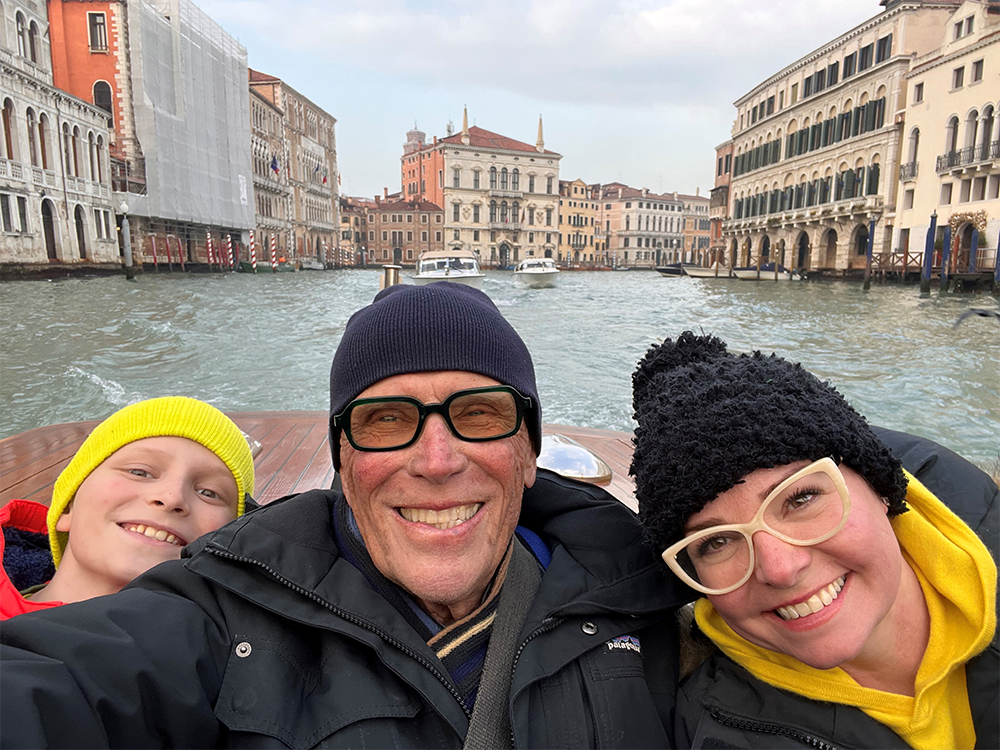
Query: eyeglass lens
[
  {"x": 472, "y": 416},
  {"x": 805, "y": 511}
]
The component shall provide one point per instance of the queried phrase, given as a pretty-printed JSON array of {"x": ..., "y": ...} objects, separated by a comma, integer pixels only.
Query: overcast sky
[{"x": 639, "y": 91}]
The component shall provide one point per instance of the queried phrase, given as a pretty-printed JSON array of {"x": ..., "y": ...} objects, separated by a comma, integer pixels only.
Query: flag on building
[
  {"x": 274, "y": 165},
  {"x": 324, "y": 175}
]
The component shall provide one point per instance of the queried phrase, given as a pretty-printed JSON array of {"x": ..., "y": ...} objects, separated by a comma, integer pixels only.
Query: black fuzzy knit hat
[
  {"x": 440, "y": 326},
  {"x": 707, "y": 418}
]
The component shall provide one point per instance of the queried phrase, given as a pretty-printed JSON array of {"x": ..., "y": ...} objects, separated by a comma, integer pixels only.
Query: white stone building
[
  {"x": 951, "y": 142},
  {"x": 816, "y": 147},
  {"x": 55, "y": 175}
]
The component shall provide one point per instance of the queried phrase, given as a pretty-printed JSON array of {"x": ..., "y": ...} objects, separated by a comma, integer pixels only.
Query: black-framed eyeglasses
[{"x": 391, "y": 423}]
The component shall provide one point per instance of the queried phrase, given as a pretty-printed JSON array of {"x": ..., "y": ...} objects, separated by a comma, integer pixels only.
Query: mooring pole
[
  {"x": 945, "y": 257},
  {"x": 868, "y": 254},
  {"x": 996, "y": 268},
  {"x": 127, "y": 241},
  {"x": 925, "y": 273},
  {"x": 972, "y": 250}
]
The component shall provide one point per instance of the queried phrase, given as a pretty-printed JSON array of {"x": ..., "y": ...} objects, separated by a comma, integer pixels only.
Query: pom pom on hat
[
  {"x": 707, "y": 418},
  {"x": 170, "y": 416}
]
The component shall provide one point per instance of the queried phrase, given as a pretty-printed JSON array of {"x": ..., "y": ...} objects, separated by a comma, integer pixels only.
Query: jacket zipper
[
  {"x": 763, "y": 728},
  {"x": 547, "y": 624},
  {"x": 352, "y": 619}
]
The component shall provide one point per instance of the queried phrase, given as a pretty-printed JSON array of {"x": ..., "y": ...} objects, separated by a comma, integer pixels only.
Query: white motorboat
[
  {"x": 459, "y": 266},
  {"x": 711, "y": 272},
  {"x": 766, "y": 273},
  {"x": 536, "y": 273}
]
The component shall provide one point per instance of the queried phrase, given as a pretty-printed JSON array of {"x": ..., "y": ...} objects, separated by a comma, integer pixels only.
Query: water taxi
[
  {"x": 536, "y": 273},
  {"x": 459, "y": 266}
]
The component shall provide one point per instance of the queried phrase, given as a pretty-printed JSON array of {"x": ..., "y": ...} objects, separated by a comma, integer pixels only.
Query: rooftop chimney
[{"x": 385, "y": 193}]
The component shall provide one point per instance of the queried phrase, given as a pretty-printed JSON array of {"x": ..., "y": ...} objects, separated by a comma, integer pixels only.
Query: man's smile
[{"x": 445, "y": 519}]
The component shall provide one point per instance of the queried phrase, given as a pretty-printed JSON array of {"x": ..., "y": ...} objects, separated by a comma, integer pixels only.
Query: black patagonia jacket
[
  {"x": 722, "y": 705},
  {"x": 266, "y": 637}
]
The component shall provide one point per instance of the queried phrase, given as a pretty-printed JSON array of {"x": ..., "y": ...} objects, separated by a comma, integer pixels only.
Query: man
[{"x": 404, "y": 612}]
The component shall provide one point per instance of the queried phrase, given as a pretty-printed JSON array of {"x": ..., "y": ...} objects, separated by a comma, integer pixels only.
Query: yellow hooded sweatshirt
[{"x": 959, "y": 582}]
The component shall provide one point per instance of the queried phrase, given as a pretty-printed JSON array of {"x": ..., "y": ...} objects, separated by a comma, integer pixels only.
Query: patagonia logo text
[{"x": 627, "y": 642}]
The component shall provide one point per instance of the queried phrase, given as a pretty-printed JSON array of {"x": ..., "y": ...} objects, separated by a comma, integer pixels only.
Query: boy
[{"x": 149, "y": 479}]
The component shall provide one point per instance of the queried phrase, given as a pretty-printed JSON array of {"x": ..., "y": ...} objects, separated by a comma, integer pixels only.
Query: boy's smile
[{"x": 139, "y": 508}]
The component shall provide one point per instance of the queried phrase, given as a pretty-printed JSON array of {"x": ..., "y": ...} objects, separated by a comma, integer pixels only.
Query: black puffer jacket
[
  {"x": 722, "y": 705},
  {"x": 267, "y": 637}
]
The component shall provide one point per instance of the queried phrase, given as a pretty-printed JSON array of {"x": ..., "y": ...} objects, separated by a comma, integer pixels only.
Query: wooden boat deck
[{"x": 294, "y": 458}]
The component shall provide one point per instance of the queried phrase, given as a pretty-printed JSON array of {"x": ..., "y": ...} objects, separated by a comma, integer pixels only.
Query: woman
[{"x": 847, "y": 604}]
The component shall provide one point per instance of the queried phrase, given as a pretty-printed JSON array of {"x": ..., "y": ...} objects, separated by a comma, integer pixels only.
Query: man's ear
[
  {"x": 530, "y": 469},
  {"x": 65, "y": 519}
]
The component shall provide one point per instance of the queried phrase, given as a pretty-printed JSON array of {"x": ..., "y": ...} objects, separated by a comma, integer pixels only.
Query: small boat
[
  {"x": 766, "y": 272},
  {"x": 460, "y": 266},
  {"x": 536, "y": 273},
  {"x": 311, "y": 264},
  {"x": 711, "y": 272},
  {"x": 671, "y": 270}
]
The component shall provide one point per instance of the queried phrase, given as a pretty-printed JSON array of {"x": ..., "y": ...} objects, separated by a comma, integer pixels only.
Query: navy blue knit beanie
[
  {"x": 707, "y": 418},
  {"x": 440, "y": 326}
]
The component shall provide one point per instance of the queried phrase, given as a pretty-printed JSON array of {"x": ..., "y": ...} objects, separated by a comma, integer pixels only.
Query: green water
[{"x": 80, "y": 348}]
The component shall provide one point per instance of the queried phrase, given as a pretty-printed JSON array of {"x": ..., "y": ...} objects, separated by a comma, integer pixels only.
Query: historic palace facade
[
  {"x": 816, "y": 147},
  {"x": 500, "y": 196}
]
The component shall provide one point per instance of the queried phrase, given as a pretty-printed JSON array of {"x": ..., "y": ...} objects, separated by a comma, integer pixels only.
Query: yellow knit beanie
[{"x": 171, "y": 416}]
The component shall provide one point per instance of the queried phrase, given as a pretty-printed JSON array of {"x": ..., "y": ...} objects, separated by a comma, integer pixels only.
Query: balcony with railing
[
  {"x": 11, "y": 169},
  {"x": 968, "y": 156},
  {"x": 494, "y": 193},
  {"x": 908, "y": 171},
  {"x": 512, "y": 226}
]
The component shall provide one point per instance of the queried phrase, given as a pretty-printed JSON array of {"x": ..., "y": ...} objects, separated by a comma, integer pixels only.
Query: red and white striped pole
[
  {"x": 209, "y": 249},
  {"x": 229, "y": 247},
  {"x": 253, "y": 252},
  {"x": 274, "y": 253},
  {"x": 152, "y": 242},
  {"x": 326, "y": 252},
  {"x": 180, "y": 252}
]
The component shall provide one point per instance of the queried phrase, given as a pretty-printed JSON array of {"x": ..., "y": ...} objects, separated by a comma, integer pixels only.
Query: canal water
[{"x": 80, "y": 348}]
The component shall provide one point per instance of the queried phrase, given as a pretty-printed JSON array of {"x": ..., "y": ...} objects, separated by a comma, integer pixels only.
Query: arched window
[
  {"x": 76, "y": 152},
  {"x": 503, "y": 178},
  {"x": 627, "y": 222},
  {"x": 986, "y": 130},
  {"x": 102, "y": 96},
  {"x": 44, "y": 155},
  {"x": 9, "y": 134},
  {"x": 92, "y": 155},
  {"x": 100, "y": 159},
  {"x": 493, "y": 178},
  {"x": 914, "y": 145},
  {"x": 33, "y": 42},
  {"x": 515, "y": 212},
  {"x": 493, "y": 204},
  {"x": 67, "y": 148},
  {"x": 32, "y": 145},
  {"x": 515, "y": 180},
  {"x": 503, "y": 212},
  {"x": 22, "y": 35},
  {"x": 951, "y": 142},
  {"x": 971, "y": 128}
]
